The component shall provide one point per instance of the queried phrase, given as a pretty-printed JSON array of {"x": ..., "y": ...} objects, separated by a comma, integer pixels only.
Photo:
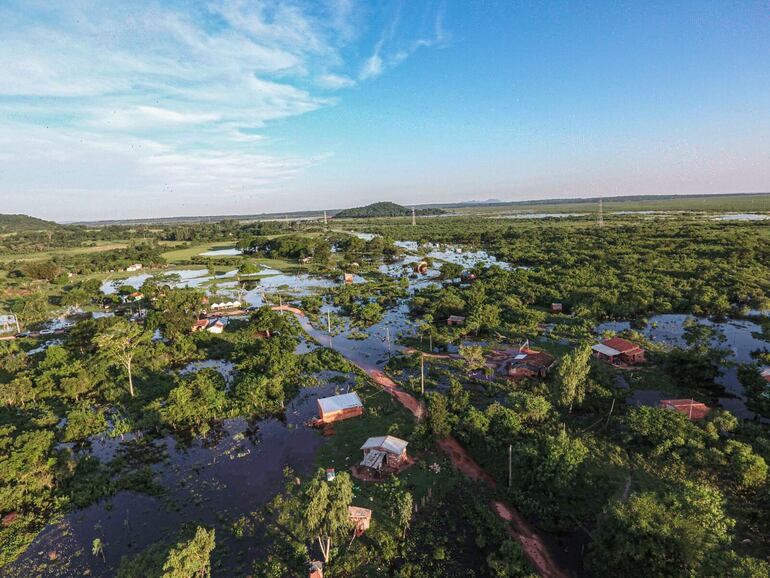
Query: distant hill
[
  {"x": 15, "y": 223},
  {"x": 383, "y": 209}
]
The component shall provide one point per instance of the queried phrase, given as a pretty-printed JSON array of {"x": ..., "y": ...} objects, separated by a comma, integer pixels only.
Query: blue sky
[{"x": 139, "y": 109}]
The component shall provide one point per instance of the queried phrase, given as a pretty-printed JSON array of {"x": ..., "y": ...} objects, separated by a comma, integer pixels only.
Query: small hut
[
  {"x": 348, "y": 278},
  {"x": 384, "y": 452},
  {"x": 455, "y": 320},
  {"x": 765, "y": 374},
  {"x": 557, "y": 308},
  {"x": 360, "y": 518},
  {"x": 339, "y": 407},
  {"x": 316, "y": 570},
  {"x": 217, "y": 327}
]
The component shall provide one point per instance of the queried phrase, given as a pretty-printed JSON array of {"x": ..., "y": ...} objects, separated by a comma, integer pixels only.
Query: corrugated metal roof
[
  {"x": 373, "y": 459},
  {"x": 340, "y": 402},
  {"x": 389, "y": 444},
  {"x": 604, "y": 350}
]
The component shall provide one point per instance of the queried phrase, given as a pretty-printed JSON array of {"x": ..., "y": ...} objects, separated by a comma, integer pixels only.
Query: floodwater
[
  {"x": 457, "y": 255},
  {"x": 225, "y": 368},
  {"x": 742, "y": 217},
  {"x": 235, "y": 471},
  {"x": 372, "y": 352},
  {"x": 540, "y": 215},
  {"x": 222, "y": 253},
  {"x": 740, "y": 338}
]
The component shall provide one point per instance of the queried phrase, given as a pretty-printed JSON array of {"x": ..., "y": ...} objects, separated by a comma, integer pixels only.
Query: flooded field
[
  {"x": 740, "y": 338},
  {"x": 222, "y": 253},
  {"x": 215, "y": 481}
]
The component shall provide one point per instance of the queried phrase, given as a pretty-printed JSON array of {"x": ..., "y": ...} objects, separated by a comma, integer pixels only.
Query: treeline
[{"x": 619, "y": 271}]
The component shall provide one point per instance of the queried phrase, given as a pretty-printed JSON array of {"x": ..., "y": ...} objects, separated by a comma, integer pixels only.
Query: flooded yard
[
  {"x": 214, "y": 481},
  {"x": 738, "y": 337}
]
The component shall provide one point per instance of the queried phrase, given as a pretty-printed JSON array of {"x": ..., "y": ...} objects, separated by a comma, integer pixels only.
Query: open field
[
  {"x": 43, "y": 255},
  {"x": 733, "y": 203}
]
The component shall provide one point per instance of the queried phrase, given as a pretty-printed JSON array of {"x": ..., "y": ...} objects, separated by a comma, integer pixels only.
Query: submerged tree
[
  {"x": 121, "y": 343},
  {"x": 191, "y": 559},
  {"x": 97, "y": 548}
]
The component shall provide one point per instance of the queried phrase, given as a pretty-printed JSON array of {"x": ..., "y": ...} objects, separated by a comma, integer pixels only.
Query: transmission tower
[
  {"x": 414, "y": 218},
  {"x": 325, "y": 221}
]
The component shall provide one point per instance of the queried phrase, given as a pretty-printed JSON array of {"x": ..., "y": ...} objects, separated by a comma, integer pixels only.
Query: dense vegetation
[
  {"x": 383, "y": 209},
  {"x": 17, "y": 223},
  {"x": 639, "y": 490}
]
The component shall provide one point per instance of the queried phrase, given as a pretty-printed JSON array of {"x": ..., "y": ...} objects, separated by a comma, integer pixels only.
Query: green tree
[
  {"x": 652, "y": 536},
  {"x": 473, "y": 355},
  {"x": 450, "y": 270},
  {"x": 191, "y": 559},
  {"x": 324, "y": 510},
  {"x": 569, "y": 381},
  {"x": 402, "y": 511},
  {"x": 121, "y": 343},
  {"x": 748, "y": 469},
  {"x": 439, "y": 420}
]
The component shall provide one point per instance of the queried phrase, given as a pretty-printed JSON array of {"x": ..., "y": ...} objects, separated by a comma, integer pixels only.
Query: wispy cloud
[
  {"x": 394, "y": 45},
  {"x": 178, "y": 94}
]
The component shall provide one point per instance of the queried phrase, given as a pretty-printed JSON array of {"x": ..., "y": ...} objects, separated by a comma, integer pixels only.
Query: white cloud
[{"x": 107, "y": 98}]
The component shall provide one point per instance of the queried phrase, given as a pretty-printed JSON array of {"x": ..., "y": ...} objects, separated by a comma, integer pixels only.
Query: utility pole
[
  {"x": 387, "y": 336},
  {"x": 422, "y": 374},
  {"x": 414, "y": 218},
  {"x": 600, "y": 220},
  {"x": 325, "y": 221},
  {"x": 329, "y": 323},
  {"x": 510, "y": 450}
]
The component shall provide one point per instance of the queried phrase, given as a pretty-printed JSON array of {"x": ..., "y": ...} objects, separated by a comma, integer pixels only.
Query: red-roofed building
[
  {"x": 200, "y": 325},
  {"x": 530, "y": 363},
  {"x": 619, "y": 350},
  {"x": 765, "y": 374},
  {"x": 692, "y": 409}
]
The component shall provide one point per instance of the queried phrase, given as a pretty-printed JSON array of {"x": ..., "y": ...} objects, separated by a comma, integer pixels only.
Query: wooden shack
[
  {"x": 339, "y": 407},
  {"x": 384, "y": 452},
  {"x": 348, "y": 278},
  {"x": 316, "y": 570},
  {"x": 557, "y": 308},
  {"x": 619, "y": 351},
  {"x": 455, "y": 320},
  {"x": 361, "y": 518}
]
